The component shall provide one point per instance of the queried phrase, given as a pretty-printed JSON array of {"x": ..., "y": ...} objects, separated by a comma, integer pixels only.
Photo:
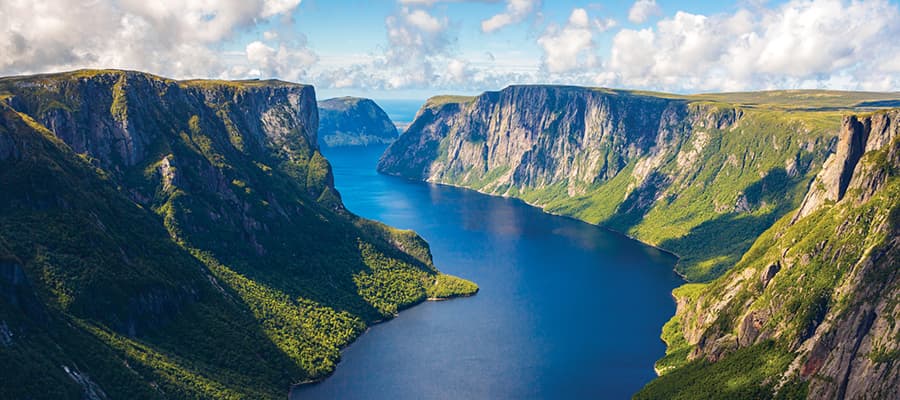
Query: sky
[{"x": 413, "y": 49}]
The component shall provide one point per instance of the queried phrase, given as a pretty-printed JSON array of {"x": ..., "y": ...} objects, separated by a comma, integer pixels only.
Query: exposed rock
[
  {"x": 16, "y": 290},
  {"x": 92, "y": 391},
  {"x": 856, "y": 137},
  {"x": 352, "y": 121},
  {"x": 7, "y": 147},
  {"x": 6, "y": 335},
  {"x": 540, "y": 135},
  {"x": 633, "y": 162},
  {"x": 768, "y": 273},
  {"x": 844, "y": 339}
]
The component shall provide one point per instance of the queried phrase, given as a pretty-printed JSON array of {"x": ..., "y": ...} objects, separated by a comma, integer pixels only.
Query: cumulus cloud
[
  {"x": 802, "y": 43},
  {"x": 416, "y": 40},
  {"x": 569, "y": 47},
  {"x": 642, "y": 10},
  {"x": 433, "y": 2},
  {"x": 516, "y": 11},
  {"x": 283, "y": 62},
  {"x": 177, "y": 38}
]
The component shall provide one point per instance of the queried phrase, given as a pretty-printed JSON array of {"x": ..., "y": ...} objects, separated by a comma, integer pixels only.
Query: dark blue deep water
[{"x": 566, "y": 310}]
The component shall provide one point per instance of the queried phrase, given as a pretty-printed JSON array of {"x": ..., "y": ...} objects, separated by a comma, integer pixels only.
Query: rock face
[
  {"x": 140, "y": 214},
  {"x": 352, "y": 121},
  {"x": 537, "y": 135},
  {"x": 669, "y": 170},
  {"x": 824, "y": 283},
  {"x": 803, "y": 290}
]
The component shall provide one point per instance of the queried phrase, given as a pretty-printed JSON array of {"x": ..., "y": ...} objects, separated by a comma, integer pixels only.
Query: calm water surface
[
  {"x": 400, "y": 111},
  {"x": 566, "y": 309}
]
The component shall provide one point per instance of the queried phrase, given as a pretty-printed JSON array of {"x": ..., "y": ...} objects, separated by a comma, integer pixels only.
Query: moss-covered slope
[
  {"x": 701, "y": 176},
  {"x": 163, "y": 239},
  {"x": 811, "y": 309}
]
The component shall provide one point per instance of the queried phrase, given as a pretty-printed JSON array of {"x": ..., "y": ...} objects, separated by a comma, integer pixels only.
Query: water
[
  {"x": 400, "y": 111},
  {"x": 566, "y": 309}
]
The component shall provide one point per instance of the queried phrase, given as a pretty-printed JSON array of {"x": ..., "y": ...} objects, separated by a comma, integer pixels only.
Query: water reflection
[{"x": 566, "y": 309}]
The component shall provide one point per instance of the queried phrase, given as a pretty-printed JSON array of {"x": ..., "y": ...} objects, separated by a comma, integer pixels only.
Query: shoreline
[
  {"x": 321, "y": 379},
  {"x": 306, "y": 383},
  {"x": 544, "y": 210}
]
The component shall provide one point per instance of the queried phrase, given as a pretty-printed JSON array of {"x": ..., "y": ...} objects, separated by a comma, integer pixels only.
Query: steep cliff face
[
  {"x": 669, "y": 170},
  {"x": 352, "y": 121},
  {"x": 820, "y": 291},
  {"x": 142, "y": 213},
  {"x": 793, "y": 204}
]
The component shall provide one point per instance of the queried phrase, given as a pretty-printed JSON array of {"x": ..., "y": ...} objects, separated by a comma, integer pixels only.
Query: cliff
[
  {"x": 181, "y": 239},
  {"x": 784, "y": 205},
  {"x": 352, "y": 121},
  {"x": 810, "y": 310},
  {"x": 670, "y": 170}
]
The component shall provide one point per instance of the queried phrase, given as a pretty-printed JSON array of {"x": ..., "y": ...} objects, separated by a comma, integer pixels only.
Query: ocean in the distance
[{"x": 401, "y": 112}]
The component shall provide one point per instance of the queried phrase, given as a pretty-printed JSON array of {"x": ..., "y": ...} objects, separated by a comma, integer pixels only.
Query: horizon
[
  {"x": 321, "y": 97},
  {"x": 412, "y": 49}
]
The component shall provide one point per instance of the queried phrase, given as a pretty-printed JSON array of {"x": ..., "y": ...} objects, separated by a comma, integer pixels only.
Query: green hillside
[{"x": 166, "y": 239}]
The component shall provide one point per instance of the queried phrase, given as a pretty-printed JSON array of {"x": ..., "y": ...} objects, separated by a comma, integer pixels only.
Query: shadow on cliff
[
  {"x": 714, "y": 246},
  {"x": 638, "y": 203}
]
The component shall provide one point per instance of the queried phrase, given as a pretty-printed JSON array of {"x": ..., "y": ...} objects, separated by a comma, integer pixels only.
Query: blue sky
[{"x": 418, "y": 48}]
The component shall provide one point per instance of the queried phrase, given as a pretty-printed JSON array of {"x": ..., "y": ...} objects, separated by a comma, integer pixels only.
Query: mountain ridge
[
  {"x": 146, "y": 213},
  {"x": 695, "y": 174},
  {"x": 354, "y": 121}
]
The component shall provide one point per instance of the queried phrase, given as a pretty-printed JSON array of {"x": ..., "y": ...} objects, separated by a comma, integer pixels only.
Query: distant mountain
[
  {"x": 800, "y": 253},
  {"x": 182, "y": 239},
  {"x": 352, "y": 121}
]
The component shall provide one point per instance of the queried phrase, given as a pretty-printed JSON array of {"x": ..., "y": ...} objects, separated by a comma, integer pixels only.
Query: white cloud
[
  {"x": 802, "y": 43},
  {"x": 178, "y": 38},
  {"x": 642, "y": 10},
  {"x": 424, "y": 21},
  {"x": 570, "y": 47},
  {"x": 570, "y": 51},
  {"x": 429, "y": 3},
  {"x": 516, "y": 11},
  {"x": 283, "y": 62},
  {"x": 458, "y": 71}
]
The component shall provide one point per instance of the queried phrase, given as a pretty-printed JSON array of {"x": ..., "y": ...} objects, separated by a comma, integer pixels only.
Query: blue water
[
  {"x": 566, "y": 310},
  {"x": 400, "y": 111}
]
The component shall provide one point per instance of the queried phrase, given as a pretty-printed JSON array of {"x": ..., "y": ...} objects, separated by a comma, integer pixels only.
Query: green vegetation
[
  {"x": 714, "y": 178},
  {"x": 677, "y": 348},
  {"x": 710, "y": 194},
  {"x": 353, "y": 121},
  {"x": 820, "y": 258},
  {"x": 213, "y": 261},
  {"x": 437, "y": 101},
  {"x": 746, "y": 374},
  {"x": 802, "y": 99},
  {"x": 448, "y": 286}
]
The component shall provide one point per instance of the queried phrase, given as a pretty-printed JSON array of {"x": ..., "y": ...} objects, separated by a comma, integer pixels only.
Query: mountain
[
  {"x": 810, "y": 311},
  {"x": 669, "y": 170},
  {"x": 740, "y": 186},
  {"x": 182, "y": 239},
  {"x": 352, "y": 121}
]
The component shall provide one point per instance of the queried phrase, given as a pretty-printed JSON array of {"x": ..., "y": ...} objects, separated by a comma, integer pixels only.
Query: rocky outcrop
[
  {"x": 146, "y": 213},
  {"x": 352, "y": 121},
  {"x": 809, "y": 281},
  {"x": 666, "y": 169},
  {"x": 17, "y": 292},
  {"x": 824, "y": 283},
  {"x": 857, "y": 137},
  {"x": 535, "y": 135},
  {"x": 118, "y": 117}
]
